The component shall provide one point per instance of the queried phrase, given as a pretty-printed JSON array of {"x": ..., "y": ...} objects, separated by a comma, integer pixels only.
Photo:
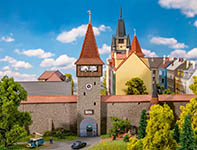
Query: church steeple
[
  {"x": 135, "y": 46},
  {"x": 120, "y": 12},
  {"x": 120, "y": 32}
]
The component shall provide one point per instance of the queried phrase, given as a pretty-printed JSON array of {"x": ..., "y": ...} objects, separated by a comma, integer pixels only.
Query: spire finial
[
  {"x": 134, "y": 31},
  {"x": 89, "y": 12},
  {"x": 120, "y": 12}
]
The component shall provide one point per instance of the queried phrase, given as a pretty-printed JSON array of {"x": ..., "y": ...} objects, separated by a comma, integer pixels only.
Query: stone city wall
[{"x": 51, "y": 115}]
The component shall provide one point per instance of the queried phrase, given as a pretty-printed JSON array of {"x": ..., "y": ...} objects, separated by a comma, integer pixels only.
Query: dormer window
[{"x": 89, "y": 68}]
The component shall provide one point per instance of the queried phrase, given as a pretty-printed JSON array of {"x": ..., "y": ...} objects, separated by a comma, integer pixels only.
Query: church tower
[
  {"x": 120, "y": 42},
  {"x": 88, "y": 72}
]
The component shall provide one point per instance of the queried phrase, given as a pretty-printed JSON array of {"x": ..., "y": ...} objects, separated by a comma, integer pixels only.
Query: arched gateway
[{"x": 88, "y": 127}]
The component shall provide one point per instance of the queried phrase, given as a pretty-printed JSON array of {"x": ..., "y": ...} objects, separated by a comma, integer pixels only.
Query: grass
[
  {"x": 105, "y": 136},
  {"x": 67, "y": 138},
  {"x": 26, "y": 139},
  {"x": 23, "y": 147},
  {"x": 110, "y": 145}
]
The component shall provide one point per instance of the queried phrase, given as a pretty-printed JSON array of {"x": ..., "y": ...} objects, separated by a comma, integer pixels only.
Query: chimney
[
  {"x": 187, "y": 64},
  {"x": 164, "y": 59},
  {"x": 193, "y": 63},
  {"x": 155, "y": 98}
]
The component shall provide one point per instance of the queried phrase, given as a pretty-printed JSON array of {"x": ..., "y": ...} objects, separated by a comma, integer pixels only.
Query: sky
[{"x": 36, "y": 35}]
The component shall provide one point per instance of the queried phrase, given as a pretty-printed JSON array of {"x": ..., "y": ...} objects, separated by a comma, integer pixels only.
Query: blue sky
[{"x": 44, "y": 35}]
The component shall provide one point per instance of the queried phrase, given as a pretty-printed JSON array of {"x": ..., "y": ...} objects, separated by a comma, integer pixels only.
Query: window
[
  {"x": 162, "y": 80},
  {"x": 121, "y": 41},
  {"x": 94, "y": 83},
  {"x": 89, "y": 68},
  {"x": 154, "y": 71},
  {"x": 84, "y": 93},
  {"x": 153, "y": 78},
  {"x": 94, "y": 103}
]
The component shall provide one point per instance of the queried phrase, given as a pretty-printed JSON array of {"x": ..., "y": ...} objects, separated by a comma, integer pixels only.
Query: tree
[
  {"x": 69, "y": 76},
  {"x": 187, "y": 136},
  {"x": 190, "y": 108},
  {"x": 176, "y": 133},
  {"x": 143, "y": 124},
  {"x": 135, "y": 87},
  {"x": 103, "y": 90},
  {"x": 13, "y": 122},
  {"x": 162, "y": 90},
  {"x": 158, "y": 134},
  {"x": 193, "y": 86}
]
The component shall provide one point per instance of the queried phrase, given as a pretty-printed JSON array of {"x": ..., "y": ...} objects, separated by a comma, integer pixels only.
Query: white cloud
[
  {"x": 182, "y": 53},
  {"x": 18, "y": 76},
  {"x": 73, "y": 34},
  {"x": 35, "y": 52},
  {"x": 7, "y": 39},
  {"x": 105, "y": 49},
  {"x": 195, "y": 24},
  {"x": 16, "y": 64},
  {"x": 187, "y": 7},
  {"x": 148, "y": 53},
  {"x": 62, "y": 62},
  {"x": 171, "y": 42},
  {"x": 6, "y": 68}
]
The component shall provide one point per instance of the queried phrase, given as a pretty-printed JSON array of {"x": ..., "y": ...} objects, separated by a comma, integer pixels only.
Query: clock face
[
  {"x": 88, "y": 86},
  {"x": 89, "y": 68}
]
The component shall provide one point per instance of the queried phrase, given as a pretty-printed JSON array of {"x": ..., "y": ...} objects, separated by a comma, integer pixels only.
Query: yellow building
[{"x": 127, "y": 61}]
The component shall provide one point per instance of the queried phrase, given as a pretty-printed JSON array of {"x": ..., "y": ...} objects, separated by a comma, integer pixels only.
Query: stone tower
[{"x": 88, "y": 72}]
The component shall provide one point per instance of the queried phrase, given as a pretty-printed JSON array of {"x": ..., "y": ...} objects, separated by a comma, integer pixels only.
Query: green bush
[
  {"x": 59, "y": 133},
  {"x": 126, "y": 138},
  {"x": 119, "y": 126}
]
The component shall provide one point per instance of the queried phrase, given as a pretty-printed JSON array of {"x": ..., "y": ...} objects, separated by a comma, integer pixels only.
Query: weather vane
[{"x": 89, "y": 12}]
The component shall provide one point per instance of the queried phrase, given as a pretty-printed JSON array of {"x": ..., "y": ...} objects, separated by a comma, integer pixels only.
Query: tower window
[
  {"x": 121, "y": 41},
  {"x": 94, "y": 83},
  {"x": 84, "y": 93},
  {"x": 94, "y": 103}
]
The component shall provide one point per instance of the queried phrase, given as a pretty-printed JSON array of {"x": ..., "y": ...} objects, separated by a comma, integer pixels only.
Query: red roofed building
[
  {"x": 125, "y": 58},
  {"x": 89, "y": 109},
  {"x": 52, "y": 76}
]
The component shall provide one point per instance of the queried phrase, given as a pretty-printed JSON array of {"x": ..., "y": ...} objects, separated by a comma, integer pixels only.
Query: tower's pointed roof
[
  {"x": 135, "y": 47},
  {"x": 89, "y": 53},
  {"x": 120, "y": 32},
  {"x": 155, "y": 93}
]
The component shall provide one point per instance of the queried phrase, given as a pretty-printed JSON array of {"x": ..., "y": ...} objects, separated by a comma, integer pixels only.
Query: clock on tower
[{"x": 88, "y": 71}]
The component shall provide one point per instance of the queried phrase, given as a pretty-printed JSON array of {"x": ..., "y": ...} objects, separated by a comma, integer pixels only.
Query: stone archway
[{"x": 88, "y": 127}]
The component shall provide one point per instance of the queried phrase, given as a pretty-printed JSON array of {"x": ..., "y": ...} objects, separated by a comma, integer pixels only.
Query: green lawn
[
  {"x": 26, "y": 139},
  {"x": 110, "y": 145},
  {"x": 23, "y": 147}
]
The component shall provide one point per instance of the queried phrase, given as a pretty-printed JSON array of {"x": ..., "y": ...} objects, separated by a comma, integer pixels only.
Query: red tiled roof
[
  {"x": 164, "y": 65},
  {"x": 121, "y": 56},
  {"x": 126, "y": 98},
  {"x": 50, "y": 99},
  {"x": 146, "y": 98},
  {"x": 52, "y": 76},
  {"x": 89, "y": 53},
  {"x": 135, "y": 47},
  {"x": 109, "y": 99}
]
